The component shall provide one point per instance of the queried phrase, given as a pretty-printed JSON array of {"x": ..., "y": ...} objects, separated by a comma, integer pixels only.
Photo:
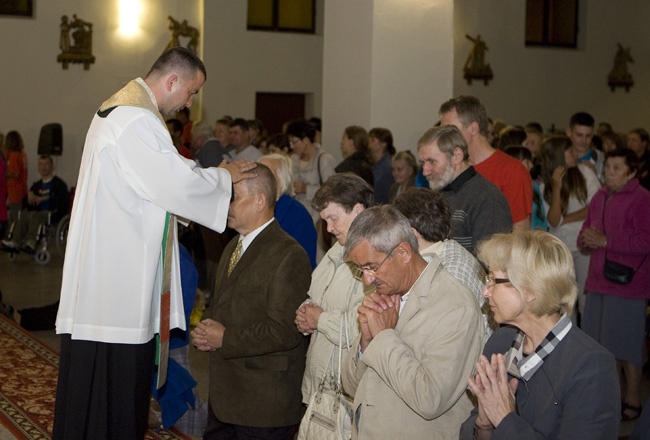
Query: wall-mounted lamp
[{"x": 129, "y": 12}]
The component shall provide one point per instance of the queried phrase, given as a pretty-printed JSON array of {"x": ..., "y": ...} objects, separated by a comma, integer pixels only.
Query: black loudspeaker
[{"x": 50, "y": 140}]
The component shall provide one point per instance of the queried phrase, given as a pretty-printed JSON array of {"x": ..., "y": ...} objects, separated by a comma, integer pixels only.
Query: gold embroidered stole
[{"x": 132, "y": 95}]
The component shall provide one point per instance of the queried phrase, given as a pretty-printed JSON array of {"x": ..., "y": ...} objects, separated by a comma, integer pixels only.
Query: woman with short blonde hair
[
  {"x": 553, "y": 278},
  {"x": 539, "y": 376}
]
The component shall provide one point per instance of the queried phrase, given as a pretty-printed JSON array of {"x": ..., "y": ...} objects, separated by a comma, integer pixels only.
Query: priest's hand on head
[{"x": 240, "y": 169}]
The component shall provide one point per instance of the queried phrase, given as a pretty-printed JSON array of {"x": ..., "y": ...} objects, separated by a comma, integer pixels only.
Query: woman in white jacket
[{"x": 337, "y": 287}]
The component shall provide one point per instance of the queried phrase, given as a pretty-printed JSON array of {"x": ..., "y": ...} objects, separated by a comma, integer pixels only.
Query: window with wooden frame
[
  {"x": 552, "y": 23},
  {"x": 17, "y": 7},
  {"x": 282, "y": 15}
]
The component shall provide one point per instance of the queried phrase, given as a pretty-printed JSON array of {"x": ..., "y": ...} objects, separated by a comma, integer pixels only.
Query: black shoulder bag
[{"x": 616, "y": 272}]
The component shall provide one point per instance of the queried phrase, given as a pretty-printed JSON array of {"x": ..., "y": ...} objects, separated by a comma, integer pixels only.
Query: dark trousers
[
  {"x": 218, "y": 430},
  {"x": 103, "y": 390}
]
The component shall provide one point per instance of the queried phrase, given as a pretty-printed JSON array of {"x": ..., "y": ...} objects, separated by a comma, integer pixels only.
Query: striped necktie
[{"x": 234, "y": 258}]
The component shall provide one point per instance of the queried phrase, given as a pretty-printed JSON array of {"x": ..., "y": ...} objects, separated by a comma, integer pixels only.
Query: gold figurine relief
[
  {"x": 79, "y": 50},
  {"x": 182, "y": 29},
  {"x": 475, "y": 66},
  {"x": 619, "y": 76}
]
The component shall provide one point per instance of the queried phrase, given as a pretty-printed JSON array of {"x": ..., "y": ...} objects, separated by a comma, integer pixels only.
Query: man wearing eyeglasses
[{"x": 421, "y": 335}]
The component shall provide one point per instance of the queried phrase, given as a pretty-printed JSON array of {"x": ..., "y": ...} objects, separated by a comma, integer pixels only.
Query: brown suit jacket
[{"x": 255, "y": 377}]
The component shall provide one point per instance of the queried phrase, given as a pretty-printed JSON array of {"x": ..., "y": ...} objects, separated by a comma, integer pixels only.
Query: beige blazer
[{"x": 410, "y": 382}]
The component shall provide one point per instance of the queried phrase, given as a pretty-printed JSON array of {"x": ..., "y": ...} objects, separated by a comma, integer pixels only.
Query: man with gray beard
[{"x": 478, "y": 208}]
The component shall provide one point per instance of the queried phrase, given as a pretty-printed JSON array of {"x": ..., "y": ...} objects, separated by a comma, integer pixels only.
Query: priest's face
[{"x": 181, "y": 90}]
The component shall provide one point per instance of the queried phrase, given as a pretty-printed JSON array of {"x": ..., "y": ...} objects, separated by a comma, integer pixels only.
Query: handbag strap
[
  {"x": 320, "y": 176},
  {"x": 321, "y": 384},
  {"x": 343, "y": 327}
]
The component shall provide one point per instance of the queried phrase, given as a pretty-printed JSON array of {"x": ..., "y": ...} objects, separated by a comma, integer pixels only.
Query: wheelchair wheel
[
  {"x": 42, "y": 257},
  {"x": 62, "y": 234}
]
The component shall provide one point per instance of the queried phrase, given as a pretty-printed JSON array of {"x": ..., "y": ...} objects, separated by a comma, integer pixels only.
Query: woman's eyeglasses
[{"x": 490, "y": 281}]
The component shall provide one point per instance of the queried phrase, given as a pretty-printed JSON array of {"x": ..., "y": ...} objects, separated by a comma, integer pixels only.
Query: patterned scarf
[{"x": 523, "y": 367}]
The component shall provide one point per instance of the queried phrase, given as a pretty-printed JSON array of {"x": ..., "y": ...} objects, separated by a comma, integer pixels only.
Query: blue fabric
[
  {"x": 189, "y": 283},
  {"x": 591, "y": 155},
  {"x": 175, "y": 396},
  {"x": 535, "y": 221},
  {"x": 56, "y": 196},
  {"x": 420, "y": 180},
  {"x": 296, "y": 221}
]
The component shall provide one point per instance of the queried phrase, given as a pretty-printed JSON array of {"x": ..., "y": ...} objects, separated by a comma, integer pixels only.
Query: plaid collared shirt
[{"x": 521, "y": 366}]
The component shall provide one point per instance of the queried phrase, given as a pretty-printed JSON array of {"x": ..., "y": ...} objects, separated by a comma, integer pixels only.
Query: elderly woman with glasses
[
  {"x": 539, "y": 377},
  {"x": 337, "y": 286}
]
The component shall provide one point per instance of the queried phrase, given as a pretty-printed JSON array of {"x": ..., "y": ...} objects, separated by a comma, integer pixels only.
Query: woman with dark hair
[
  {"x": 540, "y": 377},
  {"x": 278, "y": 143},
  {"x": 511, "y": 135},
  {"x": 381, "y": 152},
  {"x": 533, "y": 141},
  {"x": 638, "y": 141},
  {"x": 612, "y": 141},
  {"x": 617, "y": 229},
  {"x": 567, "y": 189},
  {"x": 354, "y": 148},
  {"x": 311, "y": 167},
  {"x": 337, "y": 287},
  {"x": 16, "y": 173}
]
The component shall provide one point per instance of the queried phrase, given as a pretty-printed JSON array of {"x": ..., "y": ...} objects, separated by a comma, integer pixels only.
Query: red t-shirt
[{"x": 514, "y": 181}]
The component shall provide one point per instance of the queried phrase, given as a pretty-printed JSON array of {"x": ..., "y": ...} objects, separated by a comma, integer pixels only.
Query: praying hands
[
  {"x": 495, "y": 393},
  {"x": 376, "y": 313},
  {"x": 307, "y": 317},
  {"x": 208, "y": 335}
]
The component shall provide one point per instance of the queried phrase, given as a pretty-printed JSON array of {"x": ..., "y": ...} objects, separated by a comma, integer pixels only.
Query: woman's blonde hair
[{"x": 538, "y": 263}]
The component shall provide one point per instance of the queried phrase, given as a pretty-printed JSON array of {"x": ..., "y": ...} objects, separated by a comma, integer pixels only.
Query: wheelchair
[{"x": 49, "y": 234}]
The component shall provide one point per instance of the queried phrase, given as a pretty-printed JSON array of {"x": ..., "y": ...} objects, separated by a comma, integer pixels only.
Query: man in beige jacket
[{"x": 421, "y": 335}]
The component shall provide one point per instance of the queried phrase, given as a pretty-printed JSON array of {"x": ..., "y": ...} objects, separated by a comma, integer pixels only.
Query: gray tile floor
[{"x": 24, "y": 284}]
